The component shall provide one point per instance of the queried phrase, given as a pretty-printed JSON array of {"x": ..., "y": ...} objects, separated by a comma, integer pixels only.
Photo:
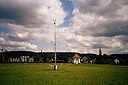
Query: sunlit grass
[{"x": 66, "y": 74}]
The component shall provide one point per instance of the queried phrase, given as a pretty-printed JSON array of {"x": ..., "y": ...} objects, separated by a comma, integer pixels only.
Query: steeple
[{"x": 100, "y": 51}]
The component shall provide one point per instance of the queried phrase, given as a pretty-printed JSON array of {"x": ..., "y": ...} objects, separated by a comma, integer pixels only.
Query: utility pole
[{"x": 55, "y": 66}]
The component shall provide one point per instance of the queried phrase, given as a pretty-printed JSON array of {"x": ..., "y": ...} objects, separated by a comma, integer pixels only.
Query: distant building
[
  {"x": 14, "y": 60},
  {"x": 21, "y": 59},
  {"x": 69, "y": 60},
  {"x": 86, "y": 59},
  {"x": 93, "y": 61},
  {"x": 26, "y": 59},
  {"x": 76, "y": 59},
  {"x": 116, "y": 61},
  {"x": 113, "y": 61}
]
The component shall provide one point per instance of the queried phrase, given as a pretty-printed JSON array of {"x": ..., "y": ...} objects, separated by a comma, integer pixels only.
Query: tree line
[{"x": 63, "y": 57}]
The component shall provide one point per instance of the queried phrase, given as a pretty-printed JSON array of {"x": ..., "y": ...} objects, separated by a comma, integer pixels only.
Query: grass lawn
[{"x": 66, "y": 74}]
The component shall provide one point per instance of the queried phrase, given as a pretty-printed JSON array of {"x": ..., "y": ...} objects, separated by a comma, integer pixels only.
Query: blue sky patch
[
  {"x": 4, "y": 30},
  {"x": 68, "y": 7}
]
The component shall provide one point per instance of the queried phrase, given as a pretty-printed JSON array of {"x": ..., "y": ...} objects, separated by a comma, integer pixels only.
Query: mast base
[{"x": 55, "y": 67}]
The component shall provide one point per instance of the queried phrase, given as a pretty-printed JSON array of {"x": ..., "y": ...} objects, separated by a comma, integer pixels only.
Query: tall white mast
[{"x": 55, "y": 66}]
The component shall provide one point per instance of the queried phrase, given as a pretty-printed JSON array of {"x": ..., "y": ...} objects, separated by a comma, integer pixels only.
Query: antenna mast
[{"x": 55, "y": 66}]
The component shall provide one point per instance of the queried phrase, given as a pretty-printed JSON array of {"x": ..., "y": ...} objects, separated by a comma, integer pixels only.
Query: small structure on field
[{"x": 76, "y": 59}]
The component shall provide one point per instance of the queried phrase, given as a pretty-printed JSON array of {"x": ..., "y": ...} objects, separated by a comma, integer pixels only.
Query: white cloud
[
  {"x": 29, "y": 20},
  {"x": 31, "y": 13},
  {"x": 98, "y": 24},
  {"x": 17, "y": 45}
]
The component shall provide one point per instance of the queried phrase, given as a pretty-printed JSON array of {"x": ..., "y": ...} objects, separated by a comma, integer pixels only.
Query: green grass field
[{"x": 67, "y": 74}]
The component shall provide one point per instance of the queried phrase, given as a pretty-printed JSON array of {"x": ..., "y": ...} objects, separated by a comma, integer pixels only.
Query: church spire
[{"x": 100, "y": 51}]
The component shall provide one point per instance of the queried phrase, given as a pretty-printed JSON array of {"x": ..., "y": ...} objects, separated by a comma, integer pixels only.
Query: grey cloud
[
  {"x": 107, "y": 8},
  {"x": 108, "y": 29},
  {"x": 123, "y": 39},
  {"x": 98, "y": 45},
  {"x": 22, "y": 37},
  {"x": 99, "y": 24},
  {"x": 20, "y": 33},
  {"x": 92, "y": 44},
  {"x": 21, "y": 12},
  {"x": 17, "y": 45},
  {"x": 28, "y": 21},
  {"x": 109, "y": 17}
]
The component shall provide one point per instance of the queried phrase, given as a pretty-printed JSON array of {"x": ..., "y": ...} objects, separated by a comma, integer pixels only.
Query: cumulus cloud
[
  {"x": 95, "y": 24},
  {"x": 31, "y": 13},
  {"x": 29, "y": 20},
  {"x": 99, "y": 24},
  {"x": 101, "y": 18},
  {"x": 11, "y": 45}
]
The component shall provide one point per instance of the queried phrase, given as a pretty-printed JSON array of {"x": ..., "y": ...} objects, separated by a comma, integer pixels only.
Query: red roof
[{"x": 76, "y": 56}]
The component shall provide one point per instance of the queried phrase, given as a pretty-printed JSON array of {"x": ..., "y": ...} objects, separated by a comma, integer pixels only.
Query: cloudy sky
[{"x": 82, "y": 25}]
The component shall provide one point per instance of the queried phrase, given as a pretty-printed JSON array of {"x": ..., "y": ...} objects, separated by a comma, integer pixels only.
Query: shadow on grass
[
  {"x": 47, "y": 70},
  {"x": 60, "y": 70},
  {"x": 4, "y": 74}
]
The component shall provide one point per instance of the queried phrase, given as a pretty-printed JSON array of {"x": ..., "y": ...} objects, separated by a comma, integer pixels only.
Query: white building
[
  {"x": 22, "y": 59},
  {"x": 76, "y": 59},
  {"x": 85, "y": 59}
]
